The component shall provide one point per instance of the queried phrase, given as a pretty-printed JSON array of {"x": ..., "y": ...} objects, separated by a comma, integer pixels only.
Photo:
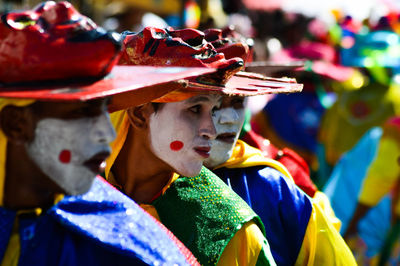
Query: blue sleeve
[{"x": 284, "y": 209}]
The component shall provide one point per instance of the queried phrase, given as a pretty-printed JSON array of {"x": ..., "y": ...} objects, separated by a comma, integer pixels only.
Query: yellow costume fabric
[
  {"x": 322, "y": 244},
  {"x": 383, "y": 173},
  {"x": 323, "y": 202},
  {"x": 244, "y": 155},
  {"x": 237, "y": 252}
]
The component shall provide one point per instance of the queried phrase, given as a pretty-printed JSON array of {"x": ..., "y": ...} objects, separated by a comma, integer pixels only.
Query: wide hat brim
[
  {"x": 129, "y": 86},
  {"x": 243, "y": 84},
  {"x": 251, "y": 84},
  {"x": 269, "y": 68}
]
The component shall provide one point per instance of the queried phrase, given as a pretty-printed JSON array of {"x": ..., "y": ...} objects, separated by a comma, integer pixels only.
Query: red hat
[
  {"x": 52, "y": 42},
  {"x": 189, "y": 47},
  {"x": 54, "y": 53},
  {"x": 230, "y": 43}
]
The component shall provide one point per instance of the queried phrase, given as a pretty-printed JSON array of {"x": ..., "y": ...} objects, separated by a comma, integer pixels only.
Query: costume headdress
[{"x": 188, "y": 47}]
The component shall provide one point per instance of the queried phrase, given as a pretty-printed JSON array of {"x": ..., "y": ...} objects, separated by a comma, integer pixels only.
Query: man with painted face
[
  {"x": 160, "y": 148},
  {"x": 54, "y": 139},
  {"x": 297, "y": 228}
]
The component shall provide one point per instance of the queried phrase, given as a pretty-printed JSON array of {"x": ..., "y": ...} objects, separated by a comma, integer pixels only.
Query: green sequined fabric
[{"x": 204, "y": 214}]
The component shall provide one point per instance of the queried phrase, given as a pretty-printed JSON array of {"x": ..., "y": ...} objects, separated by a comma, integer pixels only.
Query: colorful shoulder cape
[
  {"x": 101, "y": 227},
  {"x": 297, "y": 228},
  {"x": 295, "y": 164},
  {"x": 204, "y": 214},
  {"x": 243, "y": 155}
]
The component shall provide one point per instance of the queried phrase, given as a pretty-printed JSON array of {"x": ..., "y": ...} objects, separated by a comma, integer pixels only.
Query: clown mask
[
  {"x": 181, "y": 133},
  {"x": 228, "y": 121}
]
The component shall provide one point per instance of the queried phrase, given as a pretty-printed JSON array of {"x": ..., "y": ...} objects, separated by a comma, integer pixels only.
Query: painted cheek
[
  {"x": 65, "y": 156},
  {"x": 176, "y": 145}
]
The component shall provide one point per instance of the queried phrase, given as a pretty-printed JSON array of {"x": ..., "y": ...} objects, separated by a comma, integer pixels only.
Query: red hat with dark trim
[
  {"x": 188, "y": 47},
  {"x": 54, "y": 53}
]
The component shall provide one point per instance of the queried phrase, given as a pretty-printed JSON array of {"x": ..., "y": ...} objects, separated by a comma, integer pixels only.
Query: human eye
[
  {"x": 196, "y": 109},
  {"x": 214, "y": 110},
  {"x": 85, "y": 111},
  {"x": 238, "y": 103}
]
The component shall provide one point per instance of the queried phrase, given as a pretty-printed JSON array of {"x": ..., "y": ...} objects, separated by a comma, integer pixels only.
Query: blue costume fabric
[
  {"x": 343, "y": 189},
  {"x": 101, "y": 227},
  {"x": 283, "y": 208},
  {"x": 296, "y": 118}
]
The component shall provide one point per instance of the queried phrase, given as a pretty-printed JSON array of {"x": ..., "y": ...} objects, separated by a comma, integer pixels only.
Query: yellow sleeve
[
  {"x": 150, "y": 209},
  {"x": 322, "y": 200},
  {"x": 382, "y": 174},
  {"x": 11, "y": 256},
  {"x": 322, "y": 244},
  {"x": 245, "y": 247}
]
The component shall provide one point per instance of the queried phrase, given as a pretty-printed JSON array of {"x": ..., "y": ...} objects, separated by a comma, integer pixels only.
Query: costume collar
[{"x": 244, "y": 156}]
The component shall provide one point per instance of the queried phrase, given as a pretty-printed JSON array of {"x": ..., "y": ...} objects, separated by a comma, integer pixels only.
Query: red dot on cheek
[
  {"x": 176, "y": 145},
  {"x": 65, "y": 156}
]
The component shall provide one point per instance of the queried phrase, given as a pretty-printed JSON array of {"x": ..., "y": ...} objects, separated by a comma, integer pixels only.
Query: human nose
[
  {"x": 228, "y": 116},
  {"x": 207, "y": 128},
  {"x": 102, "y": 130}
]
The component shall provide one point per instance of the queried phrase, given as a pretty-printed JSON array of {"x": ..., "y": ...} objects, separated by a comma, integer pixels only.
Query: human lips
[
  {"x": 96, "y": 163},
  {"x": 228, "y": 137},
  {"x": 203, "y": 151}
]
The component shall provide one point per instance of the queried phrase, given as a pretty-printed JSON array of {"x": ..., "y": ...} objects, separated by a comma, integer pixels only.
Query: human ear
[
  {"x": 139, "y": 115},
  {"x": 17, "y": 124}
]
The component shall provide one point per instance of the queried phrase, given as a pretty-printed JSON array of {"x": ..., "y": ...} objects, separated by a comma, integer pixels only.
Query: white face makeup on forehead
[
  {"x": 228, "y": 121},
  {"x": 181, "y": 133},
  {"x": 70, "y": 152}
]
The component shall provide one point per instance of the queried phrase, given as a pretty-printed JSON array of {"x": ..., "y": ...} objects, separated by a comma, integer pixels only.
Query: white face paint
[
  {"x": 181, "y": 133},
  {"x": 228, "y": 122},
  {"x": 70, "y": 152}
]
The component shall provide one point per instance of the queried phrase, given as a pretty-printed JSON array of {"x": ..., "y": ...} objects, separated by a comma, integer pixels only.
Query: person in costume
[
  {"x": 160, "y": 148},
  {"x": 232, "y": 44},
  {"x": 343, "y": 188},
  {"x": 291, "y": 218},
  {"x": 54, "y": 138},
  {"x": 372, "y": 102},
  {"x": 298, "y": 124},
  {"x": 381, "y": 179},
  {"x": 267, "y": 186}
]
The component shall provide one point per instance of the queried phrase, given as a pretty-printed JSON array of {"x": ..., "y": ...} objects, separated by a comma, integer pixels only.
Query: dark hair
[{"x": 157, "y": 106}]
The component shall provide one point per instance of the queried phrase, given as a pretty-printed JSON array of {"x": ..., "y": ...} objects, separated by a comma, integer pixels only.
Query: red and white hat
[{"x": 188, "y": 47}]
